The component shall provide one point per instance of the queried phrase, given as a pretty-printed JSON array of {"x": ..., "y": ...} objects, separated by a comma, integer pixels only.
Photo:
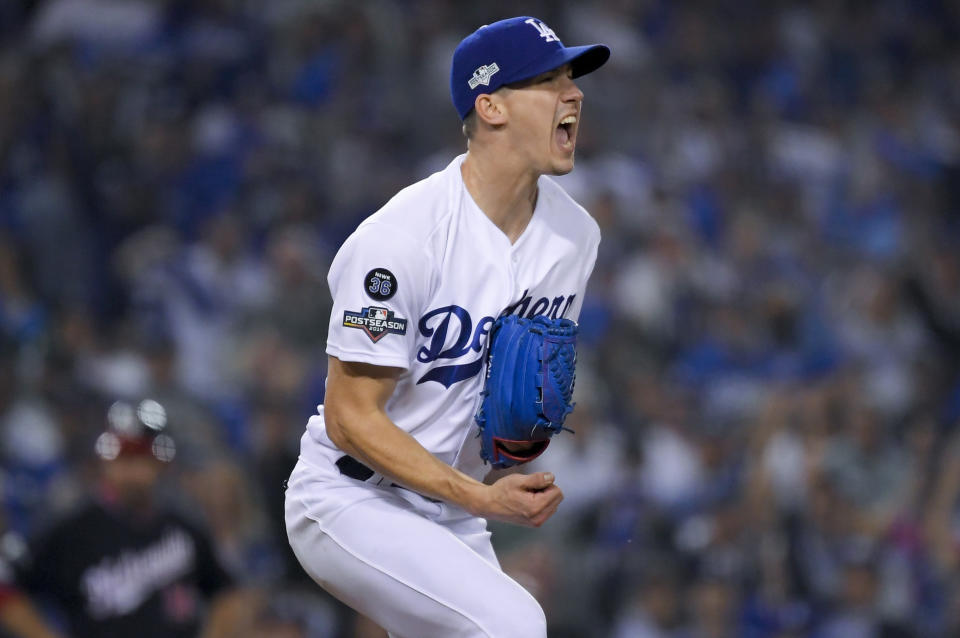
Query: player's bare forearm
[{"x": 357, "y": 423}]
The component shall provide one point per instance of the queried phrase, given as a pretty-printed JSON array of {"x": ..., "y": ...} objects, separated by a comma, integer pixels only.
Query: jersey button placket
[{"x": 512, "y": 268}]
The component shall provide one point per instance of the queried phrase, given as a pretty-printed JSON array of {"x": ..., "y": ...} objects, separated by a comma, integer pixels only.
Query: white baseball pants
[{"x": 418, "y": 568}]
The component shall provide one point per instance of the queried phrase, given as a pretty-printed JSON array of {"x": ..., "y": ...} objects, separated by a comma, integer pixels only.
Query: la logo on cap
[
  {"x": 545, "y": 32},
  {"x": 483, "y": 75}
]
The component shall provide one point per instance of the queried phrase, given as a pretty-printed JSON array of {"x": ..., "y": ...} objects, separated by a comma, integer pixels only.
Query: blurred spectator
[
  {"x": 123, "y": 562},
  {"x": 869, "y": 470},
  {"x": 653, "y": 609},
  {"x": 715, "y": 610},
  {"x": 854, "y": 615}
]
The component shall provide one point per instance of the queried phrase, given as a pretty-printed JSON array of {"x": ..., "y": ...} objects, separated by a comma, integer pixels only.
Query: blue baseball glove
[{"x": 528, "y": 388}]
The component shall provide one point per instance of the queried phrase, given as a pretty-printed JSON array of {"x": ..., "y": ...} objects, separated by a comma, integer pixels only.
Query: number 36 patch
[{"x": 380, "y": 284}]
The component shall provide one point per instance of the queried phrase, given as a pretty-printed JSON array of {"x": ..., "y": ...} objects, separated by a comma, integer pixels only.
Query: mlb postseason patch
[
  {"x": 377, "y": 322},
  {"x": 482, "y": 75},
  {"x": 380, "y": 284}
]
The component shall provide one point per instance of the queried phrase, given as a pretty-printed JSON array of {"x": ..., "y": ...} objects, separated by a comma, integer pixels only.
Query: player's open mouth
[{"x": 565, "y": 134}]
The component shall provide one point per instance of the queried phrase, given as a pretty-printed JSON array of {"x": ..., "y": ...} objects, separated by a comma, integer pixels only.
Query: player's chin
[
  {"x": 562, "y": 166},
  {"x": 562, "y": 158}
]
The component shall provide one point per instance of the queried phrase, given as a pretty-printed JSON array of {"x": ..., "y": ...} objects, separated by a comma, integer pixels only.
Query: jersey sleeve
[{"x": 378, "y": 281}]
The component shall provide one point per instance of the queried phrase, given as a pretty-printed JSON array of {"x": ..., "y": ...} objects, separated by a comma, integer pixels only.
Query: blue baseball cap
[{"x": 511, "y": 51}]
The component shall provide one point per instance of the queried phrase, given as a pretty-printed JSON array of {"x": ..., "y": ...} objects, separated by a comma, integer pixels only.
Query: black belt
[{"x": 354, "y": 469}]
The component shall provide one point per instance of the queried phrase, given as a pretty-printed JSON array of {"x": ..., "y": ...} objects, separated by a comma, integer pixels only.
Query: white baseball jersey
[{"x": 418, "y": 285}]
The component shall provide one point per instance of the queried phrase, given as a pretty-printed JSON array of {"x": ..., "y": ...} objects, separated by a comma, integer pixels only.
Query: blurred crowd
[{"x": 769, "y": 378}]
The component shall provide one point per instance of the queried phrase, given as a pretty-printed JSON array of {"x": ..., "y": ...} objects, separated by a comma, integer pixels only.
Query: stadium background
[{"x": 769, "y": 384}]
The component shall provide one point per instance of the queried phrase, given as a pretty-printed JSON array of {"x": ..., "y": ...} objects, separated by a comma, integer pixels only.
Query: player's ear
[{"x": 490, "y": 109}]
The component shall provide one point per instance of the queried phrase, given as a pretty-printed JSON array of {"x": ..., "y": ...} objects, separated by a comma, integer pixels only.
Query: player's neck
[{"x": 505, "y": 194}]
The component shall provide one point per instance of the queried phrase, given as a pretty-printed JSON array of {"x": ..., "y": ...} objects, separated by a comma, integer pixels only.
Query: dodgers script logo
[{"x": 439, "y": 324}]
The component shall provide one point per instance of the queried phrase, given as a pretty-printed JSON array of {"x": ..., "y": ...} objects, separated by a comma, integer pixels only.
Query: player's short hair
[{"x": 470, "y": 125}]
